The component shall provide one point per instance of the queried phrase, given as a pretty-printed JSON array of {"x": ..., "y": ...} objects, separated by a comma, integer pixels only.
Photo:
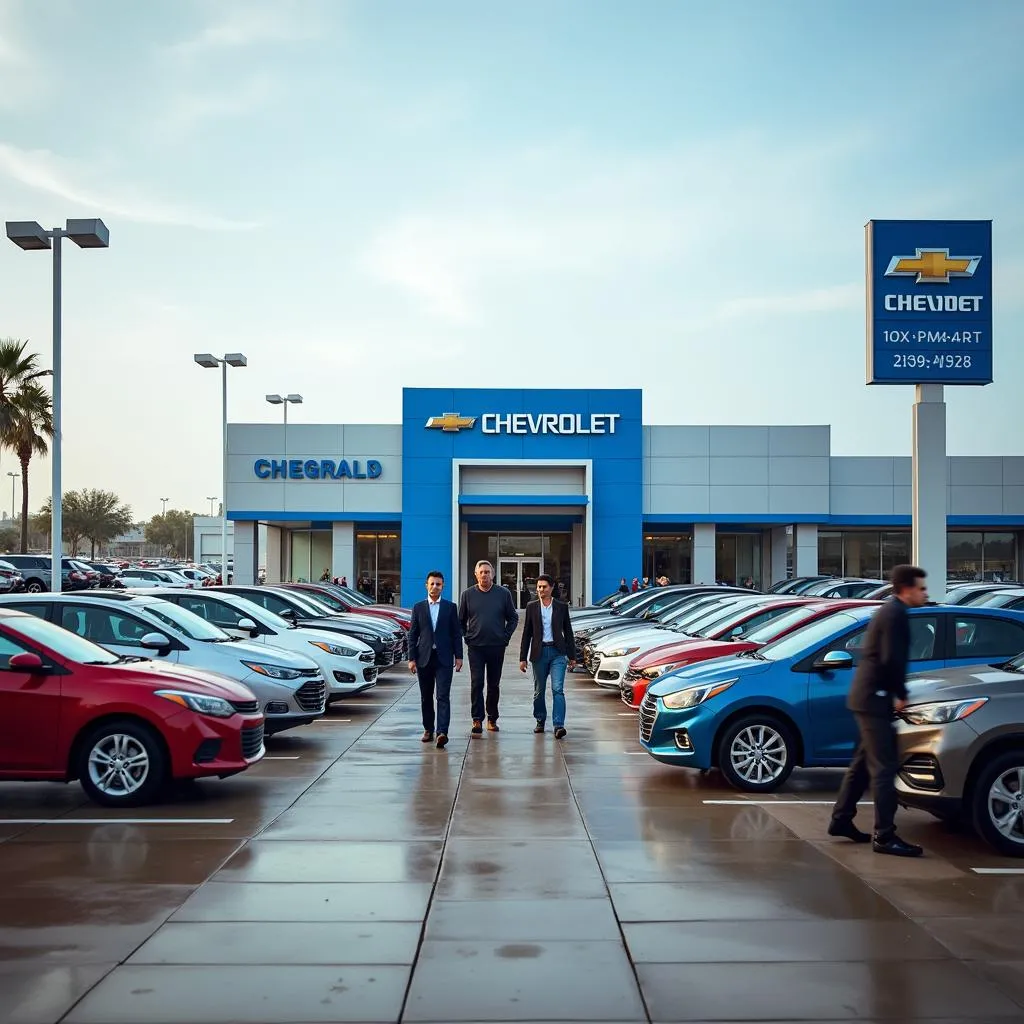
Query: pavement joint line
[
  {"x": 116, "y": 821},
  {"x": 998, "y": 871}
]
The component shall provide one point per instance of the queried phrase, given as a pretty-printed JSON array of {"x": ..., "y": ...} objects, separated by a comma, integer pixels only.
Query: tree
[
  {"x": 173, "y": 531},
  {"x": 29, "y": 415},
  {"x": 104, "y": 517},
  {"x": 16, "y": 369},
  {"x": 9, "y": 538}
]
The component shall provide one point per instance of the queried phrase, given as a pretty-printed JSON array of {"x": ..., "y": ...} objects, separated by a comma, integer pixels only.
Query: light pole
[
  {"x": 29, "y": 234},
  {"x": 13, "y": 476},
  {"x": 211, "y": 501},
  {"x": 285, "y": 400},
  {"x": 163, "y": 511},
  {"x": 211, "y": 362}
]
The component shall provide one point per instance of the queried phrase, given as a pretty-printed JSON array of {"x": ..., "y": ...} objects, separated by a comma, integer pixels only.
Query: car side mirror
[
  {"x": 156, "y": 642},
  {"x": 834, "y": 661},
  {"x": 248, "y": 624},
  {"x": 25, "y": 662},
  {"x": 289, "y": 614}
]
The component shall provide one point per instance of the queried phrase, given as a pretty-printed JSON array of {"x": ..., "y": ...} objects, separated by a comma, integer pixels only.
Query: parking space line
[
  {"x": 116, "y": 821},
  {"x": 770, "y": 803},
  {"x": 332, "y": 721},
  {"x": 998, "y": 871},
  {"x": 281, "y": 757}
]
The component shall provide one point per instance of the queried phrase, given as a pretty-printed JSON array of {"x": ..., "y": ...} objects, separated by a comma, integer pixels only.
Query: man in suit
[
  {"x": 435, "y": 643},
  {"x": 548, "y": 641},
  {"x": 879, "y": 688}
]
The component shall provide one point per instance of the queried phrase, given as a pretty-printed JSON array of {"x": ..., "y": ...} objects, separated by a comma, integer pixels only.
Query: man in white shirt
[{"x": 549, "y": 643}]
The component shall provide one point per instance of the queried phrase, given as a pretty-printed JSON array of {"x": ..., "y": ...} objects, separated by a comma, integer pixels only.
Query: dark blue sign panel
[{"x": 929, "y": 301}]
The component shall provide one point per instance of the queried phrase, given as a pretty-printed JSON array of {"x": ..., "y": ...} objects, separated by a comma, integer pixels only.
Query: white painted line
[
  {"x": 770, "y": 803},
  {"x": 280, "y": 757},
  {"x": 332, "y": 721},
  {"x": 116, "y": 821},
  {"x": 635, "y": 753},
  {"x": 627, "y": 714},
  {"x": 998, "y": 871}
]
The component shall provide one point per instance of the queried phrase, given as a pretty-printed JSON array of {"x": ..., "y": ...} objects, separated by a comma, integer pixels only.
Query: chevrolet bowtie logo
[
  {"x": 932, "y": 266},
  {"x": 451, "y": 422}
]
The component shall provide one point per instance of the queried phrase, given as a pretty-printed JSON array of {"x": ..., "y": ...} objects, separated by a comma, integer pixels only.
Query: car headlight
[
  {"x": 621, "y": 652},
  {"x": 660, "y": 670},
  {"x": 274, "y": 671},
  {"x": 200, "y": 702},
  {"x": 942, "y": 712},
  {"x": 338, "y": 652},
  {"x": 694, "y": 695}
]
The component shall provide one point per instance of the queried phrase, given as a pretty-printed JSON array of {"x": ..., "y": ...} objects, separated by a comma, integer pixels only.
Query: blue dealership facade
[{"x": 575, "y": 484}]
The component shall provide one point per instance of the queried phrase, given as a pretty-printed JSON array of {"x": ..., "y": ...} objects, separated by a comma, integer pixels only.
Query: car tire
[
  {"x": 35, "y": 587},
  {"x": 993, "y": 799},
  {"x": 138, "y": 780},
  {"x": 756, "y": 753}
]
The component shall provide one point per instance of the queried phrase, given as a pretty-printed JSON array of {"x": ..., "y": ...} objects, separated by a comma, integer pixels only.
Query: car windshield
[
  {"x": 691, "y": 612},
  {"x": 800, "y": 640},
  {"x": 65, "y": 643},
  {"x": 768, "y": 631},
  {"x": 332, "y": 602},
  {"x": 186, "y": 622},
  {"x": 255, "y": 611},
  {"x": 308, "y": 606}
]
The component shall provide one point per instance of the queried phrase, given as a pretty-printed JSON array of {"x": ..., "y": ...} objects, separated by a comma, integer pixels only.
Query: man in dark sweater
[
  {"x": 879, "y": 688},
  {"x": 489, "y": 618}
]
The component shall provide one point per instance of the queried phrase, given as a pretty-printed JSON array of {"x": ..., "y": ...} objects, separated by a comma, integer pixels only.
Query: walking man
[
  {"x": 879, "y": 688},
  {"x": 435, "y": 642},
  {"x": 549, "y": 642},
  {"x": 488, "y": 618}
]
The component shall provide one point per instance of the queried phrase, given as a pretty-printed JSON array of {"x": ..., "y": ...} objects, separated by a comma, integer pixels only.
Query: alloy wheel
[
  {"x": 1006, "y": 804},
  {"x": 118, "y": 765},
  {"x": 758, "y": 754}
]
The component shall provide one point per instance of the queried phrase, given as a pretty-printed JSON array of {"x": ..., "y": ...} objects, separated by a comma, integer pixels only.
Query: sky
[{"x": 373, "y": 194}]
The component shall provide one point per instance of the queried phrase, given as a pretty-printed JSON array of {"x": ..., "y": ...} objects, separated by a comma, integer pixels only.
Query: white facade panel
[
  {"x": 256, "y": 496},
  {"x": 861, "y": 471},
  {"x": 523, "y": 480},
  {"x": 378, "y": 440},
  {"x": 973, "y": 501},
  {"x": 798, "y": 500},
  {"x": 746, "y": 500},
  {"x": 902, "y": 501},
  {"x": 792, "y": 471},
  {"x": 975, "y": 472},
  {"x": 671, "y": 499},
  {"x": 798, "y": 442},
  {"x": 1013, "y": 500},
  {"x": 903, "y": 472},
  {"x": 680, "y": 442},
  {"x": 692, "y": 472},
  {"x": 862, "y": 501},
  {"x": 739, "y": 442},
  {"x": 734, "y": 472},
  {"x": 373, "y": 497},
  {"x": 1013, "y": 470}
]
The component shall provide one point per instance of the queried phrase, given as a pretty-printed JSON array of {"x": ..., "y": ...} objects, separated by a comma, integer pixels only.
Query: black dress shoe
[
  {"x": 442, "y": 740},
  {"x": 847, "y": 830},
  {"x": 896, "y": 847},
  {"x": 539, "y": 727},
  {"x": 559, "y": 733},
  {"x": 427, "y": 736}
]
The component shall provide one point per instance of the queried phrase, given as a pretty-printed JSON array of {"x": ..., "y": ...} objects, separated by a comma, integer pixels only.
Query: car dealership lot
[{"x": 578, "y": 880}]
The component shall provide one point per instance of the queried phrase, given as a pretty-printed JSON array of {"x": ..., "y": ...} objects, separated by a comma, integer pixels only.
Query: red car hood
[
  {"x": 180, "y": 677},
  {"x": 693, "y": 649}
]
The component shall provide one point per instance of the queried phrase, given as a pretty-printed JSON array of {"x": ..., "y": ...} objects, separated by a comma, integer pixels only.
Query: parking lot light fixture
[
  {"x": 210, "y": 362},
  {"x": 285, "y": 401},
  {"x": 163, "y": 511},
  {"x": 88, "y": 233},
  {"x": 211, "y": 500},
  {"x": 13, "y": 476}
]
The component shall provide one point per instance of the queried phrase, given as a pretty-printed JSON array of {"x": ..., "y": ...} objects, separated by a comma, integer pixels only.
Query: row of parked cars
[
  {"x": 755, "y": 685},
  {"x": 126, "y": 689}
]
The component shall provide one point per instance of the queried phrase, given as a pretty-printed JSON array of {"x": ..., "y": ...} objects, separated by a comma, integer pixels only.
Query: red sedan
[
  {"x": 121, "y": 726},
  {"x": 651, "y": 665}
]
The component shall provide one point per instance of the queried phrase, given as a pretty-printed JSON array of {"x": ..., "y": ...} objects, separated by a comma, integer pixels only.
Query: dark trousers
[
  {"x": 430, "y": 676},
  {"x": 875, "y": 761},
  {"x": 485, "y": 660}
]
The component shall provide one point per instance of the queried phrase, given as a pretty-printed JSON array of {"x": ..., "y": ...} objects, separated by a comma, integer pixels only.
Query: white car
[
  {"x": 347, "y": 663},
  {"x": 290, "y": 687},
  {"x": 198, "y": 577},
  {"x": 155, "y": 578}
]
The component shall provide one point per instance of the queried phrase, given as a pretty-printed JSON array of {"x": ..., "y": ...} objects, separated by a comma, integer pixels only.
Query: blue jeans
[{"x": 554, "y": 664}]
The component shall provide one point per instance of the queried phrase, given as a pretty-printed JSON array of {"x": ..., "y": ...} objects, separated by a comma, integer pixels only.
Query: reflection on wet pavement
[{"x": 364, "y": 876}]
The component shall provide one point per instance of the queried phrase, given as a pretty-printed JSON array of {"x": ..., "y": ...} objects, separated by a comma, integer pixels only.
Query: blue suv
[{"x": 758, "y": 715}]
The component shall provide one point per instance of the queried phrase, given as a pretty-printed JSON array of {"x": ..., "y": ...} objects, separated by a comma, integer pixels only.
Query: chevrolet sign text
[{"x": 549, "y": 423}]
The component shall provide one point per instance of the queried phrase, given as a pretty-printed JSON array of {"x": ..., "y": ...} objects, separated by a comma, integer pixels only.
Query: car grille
[
  {"x": 252, "y": 741},
  {"x": 384, "y": 658},
  {"x": 632, "y": 675},
  {"x": 626, "y": 690},
  {"x": 648, "y": 713},
  {"x": 311, "y": 696},
  {"x": 369, "y": 674},
  {"x": 246, "y": 707},
  {"x": 367, "y": 657}
]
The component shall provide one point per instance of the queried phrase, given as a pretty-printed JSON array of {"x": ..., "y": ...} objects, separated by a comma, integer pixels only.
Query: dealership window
[
  {"x": 378, "y": 565},
  {"x": 310, "y": 554},
  {"x": 830, "y": 554},
  {"x": 738, "y": 558},
  {"x": 665, "y": 554},
  {"x": 553, "y": 551},
  {"x": 981, "y": 556}
]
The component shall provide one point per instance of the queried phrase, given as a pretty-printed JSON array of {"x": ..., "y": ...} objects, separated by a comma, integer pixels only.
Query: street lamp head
[
  {"x": 294, "y": 399},
  {"x": 88, "y": 234},
  {"x": 236, "y": 359},
  {"x": 28, "y": 234},
  {"x": 207, "y": 360},
  {"x": 275, "y": 399}
]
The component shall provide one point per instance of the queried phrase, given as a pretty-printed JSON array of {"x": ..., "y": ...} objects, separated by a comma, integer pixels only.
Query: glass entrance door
[{"x": 519, "y": 577}]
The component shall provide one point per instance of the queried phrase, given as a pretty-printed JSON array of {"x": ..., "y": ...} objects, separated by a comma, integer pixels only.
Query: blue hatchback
[{"x": 758, "y": 715}]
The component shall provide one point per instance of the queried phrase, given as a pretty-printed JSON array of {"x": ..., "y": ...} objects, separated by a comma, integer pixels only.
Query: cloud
[
  {"x": 22, "y": 80},
  {"x": 249, "y": 24},
  {"x": 44, "y": 171},
  {"x": 814, "y": 300},
  {"x": 187, "y": 111}
]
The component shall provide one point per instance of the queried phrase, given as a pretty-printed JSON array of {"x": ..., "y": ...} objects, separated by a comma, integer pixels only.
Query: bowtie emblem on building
[
  {"x": 932, "y": 266},
  {"x": 451, "y": 422}
]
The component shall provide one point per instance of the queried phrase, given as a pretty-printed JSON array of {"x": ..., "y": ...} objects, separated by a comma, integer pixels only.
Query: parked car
[
  {"x": 121, "y": 726},
  {"x": 155, "y": 578},
  {"x": 757, "y": 716},
  {"x": 338, "y": 601},
  {"x": 842, "y": 588},
  {"x": 290, "y": 688},
  {"x": 36, "y": 571},
  {"x": 11, "y": 580},
  {"x": 110, "y": 576},
  {"x": 346, "y": 663},
  {"x": 645, "y": 668},
  {"x": 961, "y": 748},
  {"x": 789, "y": 586},
  {"x": 1005, "y": 597}
]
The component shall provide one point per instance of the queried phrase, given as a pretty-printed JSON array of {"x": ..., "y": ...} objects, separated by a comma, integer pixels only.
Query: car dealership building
[{"x": 574, "y": 484}]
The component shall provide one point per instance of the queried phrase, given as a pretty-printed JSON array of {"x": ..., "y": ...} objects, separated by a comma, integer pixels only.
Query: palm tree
[
  {"x": 16, "y": 368},
  {"x": 31, "y": 423}
]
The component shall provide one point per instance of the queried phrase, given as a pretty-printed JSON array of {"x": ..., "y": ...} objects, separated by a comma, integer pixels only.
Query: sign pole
[{"x": 929, "y": 486}]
